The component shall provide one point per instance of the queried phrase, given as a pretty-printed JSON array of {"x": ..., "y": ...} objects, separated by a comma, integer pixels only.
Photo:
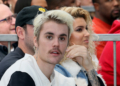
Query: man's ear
[
  {"x": 96, "y": 6},
  {"x": 35, "y": 42},
  {"x": 20, "y": 32}
]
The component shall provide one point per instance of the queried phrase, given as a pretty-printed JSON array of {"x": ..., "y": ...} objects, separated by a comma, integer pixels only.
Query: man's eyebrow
[
  {"x": 63, "y": 35},
  {"x": 50, "y": 33}
]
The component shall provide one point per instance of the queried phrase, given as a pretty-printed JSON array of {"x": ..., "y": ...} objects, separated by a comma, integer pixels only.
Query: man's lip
[
  {"x": 57, "y": 52},
  {"x": 116, "y": 11}
]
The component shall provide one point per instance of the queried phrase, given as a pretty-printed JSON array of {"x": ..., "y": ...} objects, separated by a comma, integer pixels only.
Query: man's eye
[
  {"x": 62, "y": 38},
  {"x": 49, "y": 37}
]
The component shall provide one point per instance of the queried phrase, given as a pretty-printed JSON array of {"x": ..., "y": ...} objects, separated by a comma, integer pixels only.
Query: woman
[{"x": 80, "y": 60}]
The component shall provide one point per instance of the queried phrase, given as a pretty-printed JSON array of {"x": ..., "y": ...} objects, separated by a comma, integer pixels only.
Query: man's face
[
  {"x": 6, "y": 27},
  {"x": 52, "y": 44},
  {"x": 13, "y": 3},
  {"x": 68, "y": 3},
  {"x": 109, "y": 9},
  {"x": 71, "y": 3},
  {"x": 42, "y": 3},
  {"x": 29, "y": 38},
  {"x": 86, "y": 3}
]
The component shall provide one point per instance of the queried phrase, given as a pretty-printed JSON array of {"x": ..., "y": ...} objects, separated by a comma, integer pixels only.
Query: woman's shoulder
[{"x": 59, "y": 68}]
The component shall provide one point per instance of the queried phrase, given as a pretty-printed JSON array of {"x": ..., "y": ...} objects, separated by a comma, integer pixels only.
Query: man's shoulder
[
  {"x": 19, "y": 68},
  {"x": 10, "y": 59}
]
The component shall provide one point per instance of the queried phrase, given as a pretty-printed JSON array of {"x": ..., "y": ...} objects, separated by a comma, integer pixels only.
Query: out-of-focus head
[
  {"x": 12, "y": 5},
  {"x": 24, "y": 25},
  {"x": 42, "y": 3},
  {"x": 1, "y": 1},
  {"x": 6, "y": 2},
  {"x": 52, "y": 31},
  {"x": 86, "y": 3},
  {"x": 20, "y": 4},
  {"x": 111, "y": 6},
  {"x": 70, "y": 3},
  {"x": 82, "y": 34},
  {"x": 53, "y": 4},
  {"x": 7, "y": 20}
]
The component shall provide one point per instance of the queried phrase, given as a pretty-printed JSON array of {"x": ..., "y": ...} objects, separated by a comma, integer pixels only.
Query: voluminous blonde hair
[
  {"x": 78, "y": 12},
  {"x": 58, "y": 16}
]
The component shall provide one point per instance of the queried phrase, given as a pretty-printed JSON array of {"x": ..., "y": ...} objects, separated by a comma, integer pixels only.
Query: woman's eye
[
  {"x": 62, "y": 38},
  {"x": 79, "y": 30},
  {"x": 86, "y": 28},
  {"x": 49, "y": 37}
]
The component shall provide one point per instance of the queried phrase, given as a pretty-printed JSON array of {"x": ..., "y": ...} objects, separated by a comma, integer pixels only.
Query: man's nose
[
  {"x": 56, "y": 42},
  {"x": 13, "y": 21}
]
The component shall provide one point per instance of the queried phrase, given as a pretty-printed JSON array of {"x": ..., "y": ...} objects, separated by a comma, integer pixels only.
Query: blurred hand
[{"x": 80, "y": 54}]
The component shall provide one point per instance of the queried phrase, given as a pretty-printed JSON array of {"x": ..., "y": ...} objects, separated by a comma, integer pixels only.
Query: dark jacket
[
  {"x": 10, "y": 59},
  {"x": 4, "y": 50}
]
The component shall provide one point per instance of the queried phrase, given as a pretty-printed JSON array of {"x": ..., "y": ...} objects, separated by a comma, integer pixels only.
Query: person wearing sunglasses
[{"x": 7, "y": 26}]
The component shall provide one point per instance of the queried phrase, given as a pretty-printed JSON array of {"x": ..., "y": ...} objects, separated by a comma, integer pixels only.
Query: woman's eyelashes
[{"x": 79, "y": 29}]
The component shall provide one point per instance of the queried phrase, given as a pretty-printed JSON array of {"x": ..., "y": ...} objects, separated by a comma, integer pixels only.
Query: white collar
[{"x": 72, "y": 67}]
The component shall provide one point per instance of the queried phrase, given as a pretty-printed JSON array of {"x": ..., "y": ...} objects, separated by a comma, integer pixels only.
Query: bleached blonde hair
[
  {"x": 78, "y": 12},
  {"x": 58, "y": 16}
]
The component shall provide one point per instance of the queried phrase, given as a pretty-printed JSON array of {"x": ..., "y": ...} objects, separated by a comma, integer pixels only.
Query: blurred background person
[
  {"x": 20, "y": 4},
  {"x": 86, "y": 2},
  {"x": 106, "y": 59},
  {"x": 106, "y": 11},
  {"x": 75, "y": 3},
  {"x": 12, "y": 4},
  {"x": 6, "y": 2},
  {"x": 53, "y": 4},
  {"x": 1, "y": 2},
  {"x": 7, "y": 26}
]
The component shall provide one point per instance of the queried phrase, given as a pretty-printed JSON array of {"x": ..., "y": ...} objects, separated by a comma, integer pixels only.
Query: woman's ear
[{"x": 20, "y": 32}]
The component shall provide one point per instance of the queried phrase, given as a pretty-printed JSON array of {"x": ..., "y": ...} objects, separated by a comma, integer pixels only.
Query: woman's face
[{"x": 80, "y": 35}]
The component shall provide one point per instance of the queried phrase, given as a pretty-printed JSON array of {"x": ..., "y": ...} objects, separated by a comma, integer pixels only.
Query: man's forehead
[{"x": 4, "y": 12}]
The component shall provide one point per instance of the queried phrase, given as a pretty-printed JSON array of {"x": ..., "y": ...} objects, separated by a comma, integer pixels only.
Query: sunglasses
[{"x": 9, "y": 18}]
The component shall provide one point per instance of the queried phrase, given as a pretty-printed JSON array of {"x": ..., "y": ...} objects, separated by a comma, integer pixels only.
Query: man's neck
[
  {"x": 23, "y": 47},
  {"x": 108, "y": 21},
  {"x": 46, "y": 68}
]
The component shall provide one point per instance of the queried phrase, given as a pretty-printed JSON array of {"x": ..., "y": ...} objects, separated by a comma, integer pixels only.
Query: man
[
  {"x": 52, "y": 31},
  {"x": 20, "y": 4},
  {"x": 7, "y": 26},
  {"x": 6, "y": 2},
  {"x": 12, "y": 4},
  {"x": 70, "y": 3},
  {"x": 86, "y": 3},
  {"x": 107, "y": 58},
  {"x": 42, "y": 3},
  {"x": 106, "y": 11},
  {"x": 24, "y": 29},
  {"x": 1, "y": 2},
  {"x": 57, "y": 4},
  {"x": 53, "y": 4}
]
